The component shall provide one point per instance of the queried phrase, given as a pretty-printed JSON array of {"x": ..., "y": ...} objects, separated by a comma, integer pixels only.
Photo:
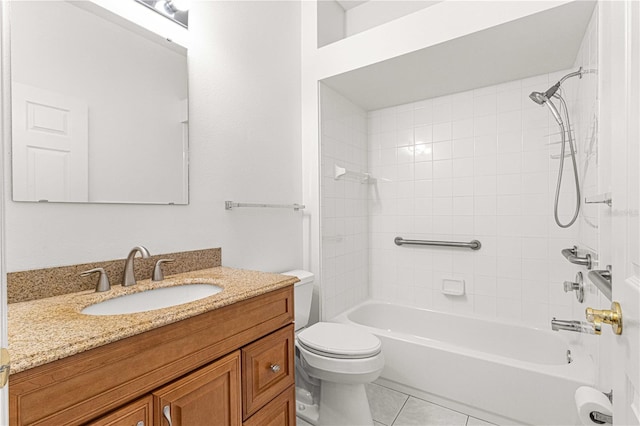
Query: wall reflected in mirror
[{"x": 99, "y": 108}]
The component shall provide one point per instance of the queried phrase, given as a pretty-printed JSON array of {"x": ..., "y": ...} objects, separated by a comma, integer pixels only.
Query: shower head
[
  {"x": 542, "y": 99},
  {"x": 538, "y": 97}
]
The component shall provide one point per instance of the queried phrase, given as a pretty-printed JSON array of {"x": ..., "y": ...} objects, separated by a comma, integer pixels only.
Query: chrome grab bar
[
  {"x": 572, "y": 256},
  {"x": 602, "y": 280},
  {"x": 473, "y": 245},
  {"x": 228, "y": 205}
]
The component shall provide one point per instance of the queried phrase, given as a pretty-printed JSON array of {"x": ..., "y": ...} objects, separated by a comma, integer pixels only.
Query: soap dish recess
[{"x": 453, "y": 287}]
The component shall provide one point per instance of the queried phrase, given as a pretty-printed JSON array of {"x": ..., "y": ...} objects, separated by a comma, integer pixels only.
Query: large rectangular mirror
[{"x": 99, "y": 108}]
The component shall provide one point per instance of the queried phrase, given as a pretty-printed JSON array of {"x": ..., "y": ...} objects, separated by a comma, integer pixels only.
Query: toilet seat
[{"x": 339, "y": 341}]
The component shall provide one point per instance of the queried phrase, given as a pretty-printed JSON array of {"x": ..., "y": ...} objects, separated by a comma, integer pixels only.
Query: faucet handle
[
  {"x": 103, "y": 281},
  {"x": 577, "y": 286},
  {"x": 157, "y": 269},
  {"x": 611, "y": 316}
]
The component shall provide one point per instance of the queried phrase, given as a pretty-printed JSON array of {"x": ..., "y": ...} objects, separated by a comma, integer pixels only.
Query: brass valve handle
[{"x": 612, "y": 316}]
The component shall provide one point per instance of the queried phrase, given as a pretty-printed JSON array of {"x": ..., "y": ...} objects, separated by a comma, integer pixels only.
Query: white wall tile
[
  {"x": 484, "y": 104},
  {"x": 442, "y": 131},
  {"x": 462, "y": 186},
  {"x": 442, "y": 169},
  {"x": 345, "y": 236},
  {"x": 463, "y": 148},
  {"x": 442, "y": 150},
  {"x": 422, "y": 116},
  {"x": 509, "y": 100}
]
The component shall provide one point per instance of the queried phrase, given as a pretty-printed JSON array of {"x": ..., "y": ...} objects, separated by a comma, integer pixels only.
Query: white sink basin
[{"x": 152, "y": 299}]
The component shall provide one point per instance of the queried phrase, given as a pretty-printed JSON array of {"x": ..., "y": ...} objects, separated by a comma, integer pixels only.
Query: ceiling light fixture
[{"x": 176, "y": 10}]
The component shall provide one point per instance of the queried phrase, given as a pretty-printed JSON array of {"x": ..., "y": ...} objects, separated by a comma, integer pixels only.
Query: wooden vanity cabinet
[
  {"x": 200, "y": 369},
  {"x": 209, "y": 396},
  {"x": 138, "y": 413},
  {"x": 281, "y": 411}
]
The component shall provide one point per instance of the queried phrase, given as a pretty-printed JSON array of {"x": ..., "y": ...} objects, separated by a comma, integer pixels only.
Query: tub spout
[{"x": 568, "y": 325}]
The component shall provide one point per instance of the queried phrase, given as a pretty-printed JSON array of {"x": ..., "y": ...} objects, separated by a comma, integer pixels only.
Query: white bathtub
[{"x": 500, "y": 372}]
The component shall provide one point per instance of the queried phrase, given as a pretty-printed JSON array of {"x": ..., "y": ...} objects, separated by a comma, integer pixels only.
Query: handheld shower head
[
  {"x": 538, "y": 97},
  {"x": 542, "y": 99}
]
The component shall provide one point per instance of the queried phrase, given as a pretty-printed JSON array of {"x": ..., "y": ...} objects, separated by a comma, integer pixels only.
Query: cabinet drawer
[
  {"x": 279, "y": 412},
  {"x": 267, "y": 369},
  {"x": 138, "y": 413}
]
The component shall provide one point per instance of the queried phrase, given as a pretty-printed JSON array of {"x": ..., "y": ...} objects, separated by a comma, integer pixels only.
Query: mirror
[{"x": 99, "y": 108}]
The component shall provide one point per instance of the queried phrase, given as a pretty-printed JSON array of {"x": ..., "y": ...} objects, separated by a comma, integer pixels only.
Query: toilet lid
[{"x": 339, "y": 341}]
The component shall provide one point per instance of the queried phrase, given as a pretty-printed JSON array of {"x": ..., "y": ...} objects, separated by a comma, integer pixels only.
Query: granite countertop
[{"x": 44, "y": 330}]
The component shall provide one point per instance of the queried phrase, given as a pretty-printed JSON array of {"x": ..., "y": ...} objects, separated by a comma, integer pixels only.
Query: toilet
[{"x": 333, "y": 364}]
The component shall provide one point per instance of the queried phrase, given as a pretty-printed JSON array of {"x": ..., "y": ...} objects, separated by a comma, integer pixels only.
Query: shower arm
[
  {"x": 578, "y": 73},
  {"x": 553, "y": 89}
]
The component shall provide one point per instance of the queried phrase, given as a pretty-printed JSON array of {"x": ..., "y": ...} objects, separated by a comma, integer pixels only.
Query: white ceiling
[{"x": 538, "y": 44}]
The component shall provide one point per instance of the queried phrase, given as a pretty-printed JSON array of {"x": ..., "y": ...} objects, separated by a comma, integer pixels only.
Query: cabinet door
[
  {"x": 138, "y": 413},
  {"x": 209, "y": 396},
  {"x": 279, "y": 412},
  {"x": 267, "y": 369}
]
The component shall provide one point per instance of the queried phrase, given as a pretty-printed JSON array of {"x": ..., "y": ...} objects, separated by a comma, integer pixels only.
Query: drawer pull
[
  {"x": 140, "y": 423},
  {"x": 275, "y": 368},
  {"x": 167, "y": 414}
]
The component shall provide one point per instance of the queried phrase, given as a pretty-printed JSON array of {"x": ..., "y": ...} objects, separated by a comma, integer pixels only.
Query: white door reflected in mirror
[{"x": 50, "y": 145}]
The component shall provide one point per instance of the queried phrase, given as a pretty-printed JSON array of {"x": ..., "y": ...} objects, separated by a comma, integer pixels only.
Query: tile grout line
[
  {"x": 424, "y": 400},
  {"x": 401, "y": 408}
]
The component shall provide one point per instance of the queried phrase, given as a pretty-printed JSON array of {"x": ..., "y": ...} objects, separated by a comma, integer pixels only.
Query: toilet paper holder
[{"x": 600, "y": 418}]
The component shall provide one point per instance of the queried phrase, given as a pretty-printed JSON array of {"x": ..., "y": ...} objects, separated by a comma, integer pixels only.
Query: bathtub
[{"x": 500, "y": 372}]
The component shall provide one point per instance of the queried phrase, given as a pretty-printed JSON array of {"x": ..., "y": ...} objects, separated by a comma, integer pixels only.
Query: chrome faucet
[
  {"x": 129, "y": 277},
  {"x": 577, "y": 326}
]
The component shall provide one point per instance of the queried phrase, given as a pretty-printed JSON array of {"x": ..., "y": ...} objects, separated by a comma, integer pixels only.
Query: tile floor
[{"x": 393, "y": 408}]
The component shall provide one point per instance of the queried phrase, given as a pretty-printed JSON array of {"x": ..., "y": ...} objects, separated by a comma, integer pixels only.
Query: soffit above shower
[
  {"x": 537, "y": 44},
  {"x": 350, "y": 4}
]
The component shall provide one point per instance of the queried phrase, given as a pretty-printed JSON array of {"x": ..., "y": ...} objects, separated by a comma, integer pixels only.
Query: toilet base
[
  {"x": 344, "y": 405},
  {"x": 307, "y": 412}
]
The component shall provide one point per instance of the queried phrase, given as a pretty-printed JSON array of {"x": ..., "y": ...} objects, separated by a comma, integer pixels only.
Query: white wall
[
  {"x": 345, "y": 213},
  {"x": 244, "y": 75}
]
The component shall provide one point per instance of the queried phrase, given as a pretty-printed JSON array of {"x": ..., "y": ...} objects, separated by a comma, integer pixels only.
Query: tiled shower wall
[
  {"x": 473, "y": 165},
  {"x": 345, "y": 219}
]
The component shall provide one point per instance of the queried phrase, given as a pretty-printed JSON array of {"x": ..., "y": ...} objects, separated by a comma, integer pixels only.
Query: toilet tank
[{"x": 302, "y": 294}]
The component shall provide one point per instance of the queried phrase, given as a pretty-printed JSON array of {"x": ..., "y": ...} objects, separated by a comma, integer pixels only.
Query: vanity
[{"x": 226, "y": 359}]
